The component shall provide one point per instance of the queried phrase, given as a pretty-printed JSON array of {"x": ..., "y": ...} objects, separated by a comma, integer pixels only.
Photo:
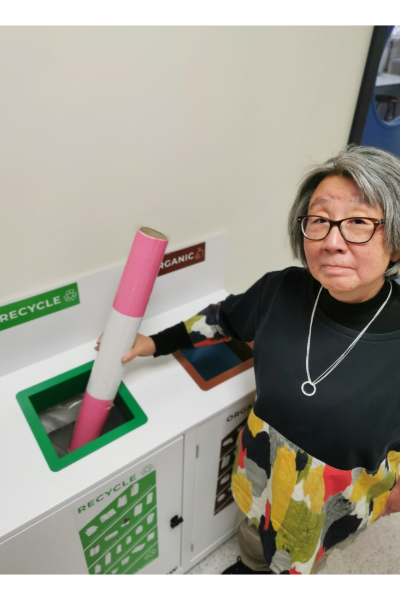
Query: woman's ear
[{"x": 395, "y": 257}]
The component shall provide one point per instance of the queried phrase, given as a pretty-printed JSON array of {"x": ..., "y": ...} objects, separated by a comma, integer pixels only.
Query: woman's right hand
[{"x": 143, "y": 346}]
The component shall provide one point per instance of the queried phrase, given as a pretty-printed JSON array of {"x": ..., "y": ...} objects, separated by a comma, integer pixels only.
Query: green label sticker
[
  {"x": 38, "y": 306},
  {"x": 123, "y": 537}
]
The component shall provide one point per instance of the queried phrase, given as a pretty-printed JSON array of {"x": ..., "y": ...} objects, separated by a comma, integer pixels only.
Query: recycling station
[{"x": 152, "y": 493}]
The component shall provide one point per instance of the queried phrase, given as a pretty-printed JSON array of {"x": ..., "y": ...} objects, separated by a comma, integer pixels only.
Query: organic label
[
  {"x": 38, "y": 306},
  {"x": 183, "y": 258}
]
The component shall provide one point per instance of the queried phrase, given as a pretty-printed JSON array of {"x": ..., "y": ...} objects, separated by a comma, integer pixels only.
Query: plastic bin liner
[
  {"x": 61, "y": 414},
  {"x": 59, "y": 421}
]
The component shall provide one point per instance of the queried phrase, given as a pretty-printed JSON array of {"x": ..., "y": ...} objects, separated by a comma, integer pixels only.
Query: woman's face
[{"x": 350, "y": 272}]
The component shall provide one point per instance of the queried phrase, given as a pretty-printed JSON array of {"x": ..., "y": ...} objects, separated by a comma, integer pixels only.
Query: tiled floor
[
  {"x": 217, "y": 561},
  {"x": 376, "y": 551}
]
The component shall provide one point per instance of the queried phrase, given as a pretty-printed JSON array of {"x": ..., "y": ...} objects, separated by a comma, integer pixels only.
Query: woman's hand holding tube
[{"x": 143, "y": 346}]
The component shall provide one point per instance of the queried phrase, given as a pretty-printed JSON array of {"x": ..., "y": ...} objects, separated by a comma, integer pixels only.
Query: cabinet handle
[{"x": 175, "y": 521}]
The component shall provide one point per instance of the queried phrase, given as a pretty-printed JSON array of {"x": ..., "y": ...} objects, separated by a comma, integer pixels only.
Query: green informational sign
[
  {"x": 122, "y": 538},
  {"x": 17, "y": 313}
]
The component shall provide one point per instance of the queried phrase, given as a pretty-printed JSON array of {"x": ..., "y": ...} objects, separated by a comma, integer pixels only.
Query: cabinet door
[
  {"x": 120, "y": 527},
  {"x": 215, "y": 513}
]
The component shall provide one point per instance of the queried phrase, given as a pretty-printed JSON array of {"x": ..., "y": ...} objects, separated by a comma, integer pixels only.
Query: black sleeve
[
  {"x": 171, "y": 339},
  {"x": 236, "y": 317}
]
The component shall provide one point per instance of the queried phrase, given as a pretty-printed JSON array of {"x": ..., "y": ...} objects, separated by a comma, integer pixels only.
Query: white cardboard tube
[{"x": 122, "y": 326}]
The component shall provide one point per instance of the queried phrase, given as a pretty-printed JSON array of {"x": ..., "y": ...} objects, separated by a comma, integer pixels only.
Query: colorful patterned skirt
[{"x": 301, "y": 506}]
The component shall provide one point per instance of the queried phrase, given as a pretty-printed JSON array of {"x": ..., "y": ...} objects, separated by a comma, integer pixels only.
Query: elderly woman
[{"x": 318, "y": 460}]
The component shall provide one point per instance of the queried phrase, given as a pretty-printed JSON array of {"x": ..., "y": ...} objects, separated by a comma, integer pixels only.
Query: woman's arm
[
  {"x": 201, "y": 330},
  {"x": 235, "y": 317}
]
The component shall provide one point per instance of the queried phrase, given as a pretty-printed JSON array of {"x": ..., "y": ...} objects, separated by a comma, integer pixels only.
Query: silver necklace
[{"x": 345, "y": 353}]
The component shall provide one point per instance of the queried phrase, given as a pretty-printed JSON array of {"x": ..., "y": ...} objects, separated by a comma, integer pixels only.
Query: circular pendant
[{"x": 309, "y": 383}]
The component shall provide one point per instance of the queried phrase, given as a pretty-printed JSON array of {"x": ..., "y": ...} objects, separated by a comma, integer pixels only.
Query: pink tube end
[
  {"x": 140, "y": 273},
  {"x": 90, "y": 422}
]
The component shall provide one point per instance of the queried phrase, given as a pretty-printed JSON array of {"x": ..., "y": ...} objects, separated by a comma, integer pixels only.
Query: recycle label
[
  {"x": 122, "y": 538},
  {"x": 41, "y": 305}
]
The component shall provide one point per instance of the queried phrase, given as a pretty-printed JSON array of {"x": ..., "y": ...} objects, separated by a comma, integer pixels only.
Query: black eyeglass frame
[{"x": 332, "y": 223}]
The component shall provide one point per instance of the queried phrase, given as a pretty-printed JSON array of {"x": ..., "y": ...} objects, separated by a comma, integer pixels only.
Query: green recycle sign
[{"x": 70, "y": 295}]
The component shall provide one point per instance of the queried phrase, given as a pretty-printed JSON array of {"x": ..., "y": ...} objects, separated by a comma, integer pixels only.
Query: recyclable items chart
[
  {"x": 123, "y": 539},
  {"x": 216, "y": 512},
  {"x": 227, "y": 458}
]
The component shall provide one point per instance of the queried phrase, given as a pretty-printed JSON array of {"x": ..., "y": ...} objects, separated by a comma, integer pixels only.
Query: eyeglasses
[{"x": 356, "y": 230}]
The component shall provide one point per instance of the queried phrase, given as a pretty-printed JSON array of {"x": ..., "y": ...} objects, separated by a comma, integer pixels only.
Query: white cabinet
[
  {"x": 121, "y": 526},
  {"x": 215, "y": 514}
]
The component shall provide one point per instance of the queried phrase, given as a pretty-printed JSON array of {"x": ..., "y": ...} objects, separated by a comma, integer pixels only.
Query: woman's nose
[{"x": 334, "y": 239}]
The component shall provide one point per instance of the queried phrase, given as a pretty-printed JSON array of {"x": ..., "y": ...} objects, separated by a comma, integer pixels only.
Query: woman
[{"x": 318, "y": 459}]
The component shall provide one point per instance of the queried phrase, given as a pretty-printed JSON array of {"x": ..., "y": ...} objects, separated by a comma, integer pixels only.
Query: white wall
[{"x": 191, "y": 131}]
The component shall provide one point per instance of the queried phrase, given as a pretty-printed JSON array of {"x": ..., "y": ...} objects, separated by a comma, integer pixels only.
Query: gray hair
[{"x": 377, "y": 175}]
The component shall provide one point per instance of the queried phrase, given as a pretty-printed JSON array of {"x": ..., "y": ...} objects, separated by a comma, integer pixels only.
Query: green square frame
[{"x": 62, "y": 387}]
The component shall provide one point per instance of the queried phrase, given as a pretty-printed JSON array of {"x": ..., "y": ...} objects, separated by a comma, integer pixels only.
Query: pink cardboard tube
[
  {"x": 90, "y": 422},
  {"x": 140, "y": 273},
  {"x": 130, "y": 303}
]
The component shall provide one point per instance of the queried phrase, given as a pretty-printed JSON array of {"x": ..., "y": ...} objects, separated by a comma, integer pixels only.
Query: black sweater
[{"x": 353, "y": 419}]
